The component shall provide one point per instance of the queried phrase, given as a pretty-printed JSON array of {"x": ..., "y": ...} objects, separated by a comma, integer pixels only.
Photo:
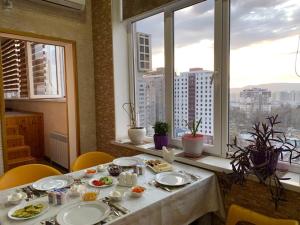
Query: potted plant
[
  {"x": 136, "y": 133},
  {"x": 192, "y": 143},
  {"x": 260, "y": 156},
  {"x": 160, "y": 135}
]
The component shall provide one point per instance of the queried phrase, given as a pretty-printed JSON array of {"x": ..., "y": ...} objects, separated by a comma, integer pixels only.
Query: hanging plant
[{"x": 261, "y": 156}]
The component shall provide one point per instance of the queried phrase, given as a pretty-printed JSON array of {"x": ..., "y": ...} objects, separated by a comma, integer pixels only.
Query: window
[
  {"x": 32, "y": 70},
  {"x": 149, "y": 70},
  {"x": 262, "y": 77},
  {"x": 193, "y": 62},
  {"x": 175, "y": 68},
  {"x": 230, "y": 63}
]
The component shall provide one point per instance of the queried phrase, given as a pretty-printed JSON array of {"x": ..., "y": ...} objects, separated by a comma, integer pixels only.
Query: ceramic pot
[
  {"x": 160, "y": 141},
  {"x": 137, "y": 135},
  {"x": 259, "y": 159},
  {"x": 192, "y": 146}
]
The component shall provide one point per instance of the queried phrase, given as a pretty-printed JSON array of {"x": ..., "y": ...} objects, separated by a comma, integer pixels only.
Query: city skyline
[{"x": 274, "y": 26}]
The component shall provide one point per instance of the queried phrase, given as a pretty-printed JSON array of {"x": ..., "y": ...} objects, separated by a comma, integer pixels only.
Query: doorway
[{"x": 38, "y": 100}]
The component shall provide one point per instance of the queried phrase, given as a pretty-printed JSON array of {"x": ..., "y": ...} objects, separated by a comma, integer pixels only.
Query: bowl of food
[
  {"x": 90, "y": 195},
  {"x": 115, "y": 196},
  {"x": 114, "y": 170},
  {"x": 16, "y": 198},
  {"x": 90, "y": 172},
  {"x": 101, "y": 168},
  {"x": 137, "y": 191}
]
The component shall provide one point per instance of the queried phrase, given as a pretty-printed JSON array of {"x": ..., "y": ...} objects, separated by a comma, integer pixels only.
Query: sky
[{"x": 263, "y": 40}]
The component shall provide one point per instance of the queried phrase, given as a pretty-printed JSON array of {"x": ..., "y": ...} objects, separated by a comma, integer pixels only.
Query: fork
[
  {"x": 111, "y": 207},
  {"x": 193, "y": 176},
  {"x": 153, "y": 182}
]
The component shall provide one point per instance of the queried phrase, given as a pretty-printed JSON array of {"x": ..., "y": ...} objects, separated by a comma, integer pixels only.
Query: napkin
[{"x": 168, "y": 155}]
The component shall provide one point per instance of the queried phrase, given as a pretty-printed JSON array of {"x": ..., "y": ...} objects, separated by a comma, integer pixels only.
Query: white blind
[{"x": 39, "y": 68}]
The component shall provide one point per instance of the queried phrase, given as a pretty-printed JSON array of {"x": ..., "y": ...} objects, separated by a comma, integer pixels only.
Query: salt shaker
[{"x": 134, "y": 179}]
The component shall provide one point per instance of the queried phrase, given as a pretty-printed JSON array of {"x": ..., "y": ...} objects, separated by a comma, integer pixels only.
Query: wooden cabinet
[{"x": 31, "y": 126}]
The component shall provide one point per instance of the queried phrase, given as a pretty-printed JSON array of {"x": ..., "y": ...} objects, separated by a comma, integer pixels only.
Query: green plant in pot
[
  {"x": 160, "y": 134},
  {"x": 261, "y": 155},
  {"x": 136, "y": 133},
  {"x": 192, "y": 142}
]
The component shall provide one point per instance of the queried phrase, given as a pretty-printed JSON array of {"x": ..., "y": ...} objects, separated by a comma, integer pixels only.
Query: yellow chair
[
  {"x": 26, "y": 174},
  {"x": 239, "y": 214},
  {"x": 91, "y": 159}
]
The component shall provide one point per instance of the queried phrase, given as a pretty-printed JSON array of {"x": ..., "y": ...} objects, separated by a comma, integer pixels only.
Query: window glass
[
  {"x": 194, "y": 65},
  {"x": 46, "y": 69},
  {"x": 32, "y": 70},
  {"x": 148, "y": 38},
  {"x": 263, "y": 82}
]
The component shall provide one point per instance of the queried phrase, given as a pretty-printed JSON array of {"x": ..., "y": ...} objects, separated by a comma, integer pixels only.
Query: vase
[
  {"x": 192, "y": 145},
  {"x": 137, "y": 135},
  {"x": 160, "y": 141}
]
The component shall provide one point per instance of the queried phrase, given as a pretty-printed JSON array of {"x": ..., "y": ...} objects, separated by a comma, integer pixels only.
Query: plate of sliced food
[
  {"x": 102, "y": 181},
  {"x": 158, "y": 166},
  {"x": 28, "y": 210}
]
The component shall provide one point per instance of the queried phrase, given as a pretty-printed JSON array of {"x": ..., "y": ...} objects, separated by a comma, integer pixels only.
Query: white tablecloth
[{"x": 156, "y": 206}]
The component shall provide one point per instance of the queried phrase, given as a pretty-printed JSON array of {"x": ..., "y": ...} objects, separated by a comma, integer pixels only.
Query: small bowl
[
  {"x": 137, "y": 194},
  {"x": 89, "y": 172},
  {"x": 16, "y": 198},
  {"x": 90, "y": 195},
  {"x": 74, "y": 190},
  {"x": 101, "y": 168},
  {"x": 115, "y": 196},
  {"x": 114, "y": 170}
]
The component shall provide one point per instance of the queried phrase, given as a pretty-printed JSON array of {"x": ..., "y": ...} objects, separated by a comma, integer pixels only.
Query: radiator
[{"x": 59, "y": 149}]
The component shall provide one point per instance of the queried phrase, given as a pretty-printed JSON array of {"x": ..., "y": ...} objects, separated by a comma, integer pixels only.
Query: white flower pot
[
  {"x": 137, "y": 135},
  {"x": 192, "y": 146}
]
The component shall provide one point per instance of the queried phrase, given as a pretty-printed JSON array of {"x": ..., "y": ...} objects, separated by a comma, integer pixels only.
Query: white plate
[
  {"x": 126, "y": 161},
  {"x": 91, "y": 183},
  {"x": 53, "y": 182},
  {"x": 172, "y": 178},
  {"x": 87, "y": 213},
  {"x": 11, "y": 211}
]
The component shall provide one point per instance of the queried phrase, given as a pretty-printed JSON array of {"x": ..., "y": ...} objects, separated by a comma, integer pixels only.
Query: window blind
[
  {"x": 14, "y": 68},
  {"x": 39, "y": 68}
]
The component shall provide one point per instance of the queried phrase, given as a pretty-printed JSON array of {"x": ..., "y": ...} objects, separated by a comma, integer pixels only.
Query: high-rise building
[
  {"x": 253, "y": 100},
  {"x": 193, "y": 99},
  {"x": 150, "y": 85},
  {"x": 151, "y": 101},
  {"x": 144, "y": 52}
]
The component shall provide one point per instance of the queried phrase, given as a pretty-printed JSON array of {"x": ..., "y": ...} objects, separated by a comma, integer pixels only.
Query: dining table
[{"x": 157, "y": 206}]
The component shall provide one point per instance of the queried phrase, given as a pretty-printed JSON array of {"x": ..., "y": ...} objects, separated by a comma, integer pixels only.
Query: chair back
[
  {"x": 26, "y": 174},
  {"x": 238, "y": 215},
  {"x": 91, "y": 159}
]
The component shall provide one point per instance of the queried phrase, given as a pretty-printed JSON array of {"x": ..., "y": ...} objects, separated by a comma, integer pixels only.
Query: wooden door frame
[{"x": 42, "y": 39}]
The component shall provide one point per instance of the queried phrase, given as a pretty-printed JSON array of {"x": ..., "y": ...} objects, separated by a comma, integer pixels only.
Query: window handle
[{"x": 213, "y": 76}]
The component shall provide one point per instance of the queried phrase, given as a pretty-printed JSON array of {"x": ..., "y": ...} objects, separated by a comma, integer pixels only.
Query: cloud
[{"x": 252, "y": 21}]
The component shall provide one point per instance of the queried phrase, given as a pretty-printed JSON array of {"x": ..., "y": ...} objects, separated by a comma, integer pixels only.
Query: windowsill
[
  {"x": 38, "y": 100},
  {"x": 208, "y": 162}
]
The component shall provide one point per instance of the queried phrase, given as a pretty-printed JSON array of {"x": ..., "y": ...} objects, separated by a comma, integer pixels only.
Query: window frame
[{"x": 168, "y": 11}]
